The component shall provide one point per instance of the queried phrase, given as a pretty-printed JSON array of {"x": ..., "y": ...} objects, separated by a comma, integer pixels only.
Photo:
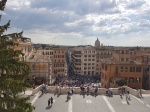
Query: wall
[{"x": 64, "y": 90}]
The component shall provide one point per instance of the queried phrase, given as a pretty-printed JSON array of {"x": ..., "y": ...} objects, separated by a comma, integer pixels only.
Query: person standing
[
  {"x": 72, "y": 89},
  {"x": 88, "y": 89},
  {"x": 127, "y": 98},
  {"x": 128, "y": 95},
  {"x": 140, "y": 95},
  {"x": 95, "y": 91},
  {"x": 51, "y": 100}
]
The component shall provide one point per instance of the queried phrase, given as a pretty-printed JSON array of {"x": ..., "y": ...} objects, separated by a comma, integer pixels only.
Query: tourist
[
  {"x": 88, "y": 89},
  {"x": 51, "y": 100},
  {"x": 95, "y": 91},
  {"x": 128, "y": 95},
  {"x": 140, "y": 95}
]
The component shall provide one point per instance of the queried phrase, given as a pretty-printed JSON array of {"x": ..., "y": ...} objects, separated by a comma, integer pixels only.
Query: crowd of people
[
  {"x": 75, "y": 81},
  {"x": 89, "y": 90},
  {"x": 86, "y": 85}
]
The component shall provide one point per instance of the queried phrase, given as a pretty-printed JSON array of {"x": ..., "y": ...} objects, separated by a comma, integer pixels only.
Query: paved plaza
[{"x": 80, "y": 103}]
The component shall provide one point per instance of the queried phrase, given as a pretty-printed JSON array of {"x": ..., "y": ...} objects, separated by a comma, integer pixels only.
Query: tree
[
  {"x": 13, "y": 72},
  {"x": 121, "y": 82}
]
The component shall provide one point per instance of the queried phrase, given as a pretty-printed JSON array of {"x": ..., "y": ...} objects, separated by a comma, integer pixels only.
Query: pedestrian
[
  {"x": 51, "y": 100},
  {"x": 122, "y": 90},
  {"x": 72, "y": 89},
  {"x": 127, "y": 98},
  {"x": 140, "y": 95},
  {"x": 128, "y": 94},
  {"x": 88, "y": 89},
  {"x": 95, "y": 91}
]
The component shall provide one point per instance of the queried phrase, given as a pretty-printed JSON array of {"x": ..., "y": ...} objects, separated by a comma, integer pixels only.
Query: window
[
  {"x": 126, "y": 69},
  {"x": 122, "y": 59},
  {"x": 127, "y": 59},
  {"x": 106, "y": 68},
  {"x": 92, "y": 72},
  {"x": 85, "y": 55},
  {"x": 138, "y": 80},
  {"x": 121, "y": 69},
  {"x": 116, "y": 70},
  {"x": 132, "y": 69},
  {"x": 131, "y": 79},
  {"x": 102, "y": 66},
  {"x": 138, "y": 69},
  {"x": 93, "y": 59}
]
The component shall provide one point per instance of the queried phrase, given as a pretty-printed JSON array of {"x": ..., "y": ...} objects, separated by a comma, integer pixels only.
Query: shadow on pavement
[{"x": 48, "y": 107}]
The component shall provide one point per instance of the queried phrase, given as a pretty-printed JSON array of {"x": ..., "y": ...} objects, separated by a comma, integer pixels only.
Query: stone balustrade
[
  {"x": 36, "y": 90},
  {"x": 77, "y": 90},
  {"x": 145, "y": 91}
]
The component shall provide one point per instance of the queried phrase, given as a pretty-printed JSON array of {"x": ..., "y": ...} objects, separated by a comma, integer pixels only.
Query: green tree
[
  {"x": 13, "y": 72},
  {"x": 121, "y": 82}
]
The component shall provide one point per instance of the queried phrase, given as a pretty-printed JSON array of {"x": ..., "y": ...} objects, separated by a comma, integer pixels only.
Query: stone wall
[{"x": 64, "y": 90}]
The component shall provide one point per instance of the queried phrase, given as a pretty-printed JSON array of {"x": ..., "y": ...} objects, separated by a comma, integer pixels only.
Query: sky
[{"x": 81, "y": 22}]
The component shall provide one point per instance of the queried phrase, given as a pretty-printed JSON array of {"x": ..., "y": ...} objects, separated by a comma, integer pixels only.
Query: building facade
[
  {"x": 121, "y": 68},
  {"x": 46, "y": 64},
  {"x": 25, "y": 45},
  {"x": 84, "y": 61}
]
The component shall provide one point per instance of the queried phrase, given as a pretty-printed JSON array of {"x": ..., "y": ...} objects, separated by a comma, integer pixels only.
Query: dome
[{"x": 97, "y": 43}]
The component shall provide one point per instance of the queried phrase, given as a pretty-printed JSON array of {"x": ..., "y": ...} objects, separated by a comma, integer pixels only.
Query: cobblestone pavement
[{"x": 100, "y": 103}]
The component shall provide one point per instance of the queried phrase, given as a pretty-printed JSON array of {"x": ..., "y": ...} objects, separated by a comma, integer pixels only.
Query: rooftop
[{"x": 113, "y": 61}]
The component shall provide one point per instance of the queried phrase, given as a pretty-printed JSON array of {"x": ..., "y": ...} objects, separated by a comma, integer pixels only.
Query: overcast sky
[{"x": 81, "y": 22}]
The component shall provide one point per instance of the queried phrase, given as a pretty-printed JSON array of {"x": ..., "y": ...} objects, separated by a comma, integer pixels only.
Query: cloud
[
  {"x": 81, "y": 7},
  {"x": 144, "y": 23},
  {"x": 17, "y": 4},
  {"x": 79, "y": 21},
  {"x": 134, "y": 4}
]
